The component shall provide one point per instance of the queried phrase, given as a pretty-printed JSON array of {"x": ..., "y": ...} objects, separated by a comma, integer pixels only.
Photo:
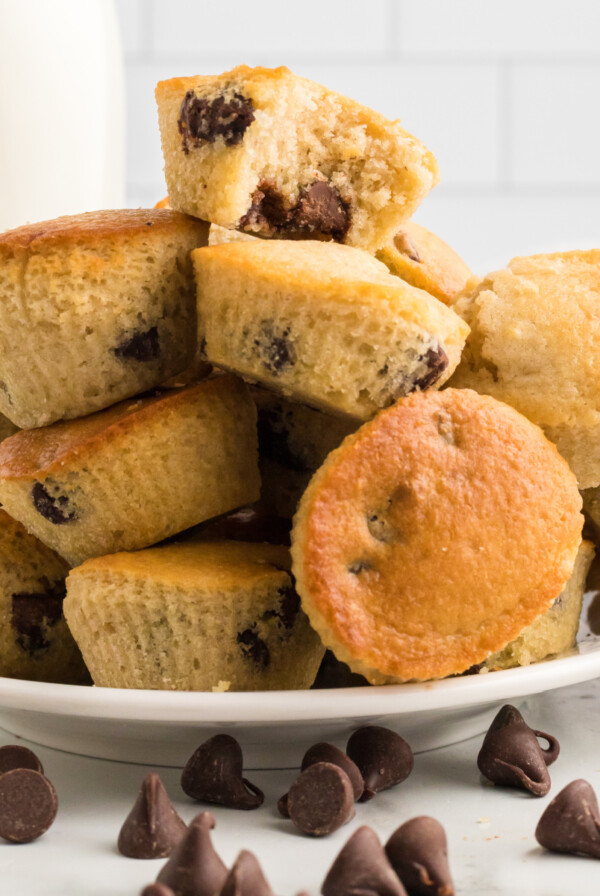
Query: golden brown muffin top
[
  {"x": 93, "y": 227},
  {"x": 434, "y": 535},
  {"x": 40, "y": 452}
]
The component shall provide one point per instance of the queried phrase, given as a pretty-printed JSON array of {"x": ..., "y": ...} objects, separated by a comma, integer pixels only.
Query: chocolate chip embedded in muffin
[
  {"x": 404, "y": 244},
  {"x": 33, "y": 614},
  {"x": 254, "y": 648},
  {"x": 142, "y": 346},
  {"x": 267, "y": 212},
  {"x": 436, "y": 361},
  {"x": 276, "y": 350},
  {"x": 55, "y": 508},
  {"x": 321, "y": 209},
  {"x": 203, "y": 121}
]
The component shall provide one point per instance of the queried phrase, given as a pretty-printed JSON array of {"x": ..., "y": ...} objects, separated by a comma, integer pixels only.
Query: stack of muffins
[{"x": 276, "y": 339}]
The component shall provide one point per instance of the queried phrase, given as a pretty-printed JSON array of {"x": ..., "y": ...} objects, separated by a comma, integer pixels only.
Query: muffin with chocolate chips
[
  {"x": 323, "y": 324},
  {"x": 94, "y": 308},
  {"x": 274, "y": 154},
  {"x": 35, "y": 642},
  {"x": 200, "y": 616}
]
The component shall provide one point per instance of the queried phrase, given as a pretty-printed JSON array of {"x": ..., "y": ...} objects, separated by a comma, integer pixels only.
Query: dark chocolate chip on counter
[
  {"x": 213, "y": 774},
  {"x": 246, "y": 878},
  {"x": 33, "y": 614},
  {"x": 157, "y": 890},
  {"x": 202, "y": 120},
  {"x": 571, "y": 822},
  {"x": 321, "y": 799},
  {"x": 194, "y": 868},
  {"x": 511, "y": 755},
  {"x": 324, "y": 752},
  {"x": 436, "y": 361},
  {"x": 362, "y": 869},
  {"x": 15, "y": 756},
  {"x": 383, "y": 758},
  {"x": 153, "y": 828},
  {"x": 54, "y": 508},
  {"x": 142, "y": 346},
  {"x": 28, "y": 805},
  {"x": 418, "y": 853}
]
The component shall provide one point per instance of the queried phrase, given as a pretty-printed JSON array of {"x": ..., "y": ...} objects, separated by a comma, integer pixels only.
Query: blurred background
[{"x": 505, "y": 93}]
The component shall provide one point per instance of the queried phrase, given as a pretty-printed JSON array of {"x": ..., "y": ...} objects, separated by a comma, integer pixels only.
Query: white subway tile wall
[{"x": 505, "y": 94}]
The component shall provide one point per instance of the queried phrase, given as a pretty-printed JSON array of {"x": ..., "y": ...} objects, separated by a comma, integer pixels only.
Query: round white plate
[{"x": 275, "y": 727}]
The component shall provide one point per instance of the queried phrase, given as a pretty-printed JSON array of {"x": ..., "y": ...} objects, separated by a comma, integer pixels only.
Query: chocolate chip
[
  {"x": 33, "y": 613},
  {"x": 140, "y": 347},
  {"x": 254, "y": 648},
  {"x": 54, "y": 508},
  {"x": 194, "y": 868},
  {"x": 213, "y": 774},
  {"x": 321, "y": 799},
  {"x": 28, "y": 805},
  {"x": 289, "y": 606},
  {"x": 14, "y": 756},
  {"x": 282, "y": 806},
  {"x": 571, "y": 822},
  {"x": 358, "y": 566},
  {"x": 511, "y": 755},
  {"x": 436, "y": 361},
  {"x": 246, "y": 878},
  {"x": 382, "y": 756},
  {"x": 418, "y": 853},
  {"x": 267, "y": 213},
  {"x": 321, "y": 209},
  {"x": 275, "y": 349},
  {"x": 202, "y": 120},
  {"x": 405, "y": 245},
  {"x": 153, "y": 828},
  {"x": 362, "y": 869},
  {"x": 324, "y": 752},
  {"x": 157, "y": 890}
]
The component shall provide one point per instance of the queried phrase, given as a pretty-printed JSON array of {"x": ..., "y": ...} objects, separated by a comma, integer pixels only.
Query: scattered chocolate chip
[
  {"x": 321, "y": 799},
  {"x": 324, "y": 752},
  {"x": 436, "y": 361},
  {"x": 511, "y": 755},
  {"x": 140, "y": 347},
  {"x": 194, "y": 868},
  {"x": 153, "y": 828},
  {"x": 405, "y": 245},
  {"x": 213, "y": 774},
  {"x": 202, "y": 120},
  {"x": 571, "y": 822},
  {"x": 28, "y": 805},
  {"x": 157, "y": 890},
  {"x": 54, "y": 508},
  {"x": 246, "y": 878},
  {"x": 322, "y": 210},
  {"x": 276, "y": 350},
  {"x": 382, "y": 756},
  {"x": 32, "y": 614},
  {"x": 362, "y": 869},
  {"x": 418, "y": 853},
  {"x": 254, "y": 648},
  {"x": 15, "y": 756}
]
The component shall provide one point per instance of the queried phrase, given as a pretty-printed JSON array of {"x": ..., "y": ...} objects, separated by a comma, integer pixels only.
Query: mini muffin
[
  {"x": 434, "y": 535},
  {"x": 293, "y": 442},
  {"x": 323, "y": 324},
  {"x": 535, "y": 344},
  {"x": 201, "y": 616},
  {"x": 555, "y": 630},
  {"x": 94, "y": 308},
  {"x": 136, "y": 473},
  {"x": 266, "y": 151},
  {"x": 35, "y": 642},
  {"x": 426, "y": 261}
]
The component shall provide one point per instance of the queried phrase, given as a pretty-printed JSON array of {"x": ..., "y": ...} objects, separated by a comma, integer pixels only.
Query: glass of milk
[{"x": 62, "y": 137}]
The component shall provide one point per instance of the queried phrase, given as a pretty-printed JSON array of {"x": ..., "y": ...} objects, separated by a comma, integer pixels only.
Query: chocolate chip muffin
[
  {"x": 434, "y": 535},
  {"x": 535, "y": 343},
  {"x": 324, "y": 324},
  {"x": 94, "y": 308},
  {"x": 35, "y": 642},
  {"x": 271, "y": 153},
  {"x": 426, "y": 261},
  {"x": 136, "y": 473},
  {"x": 198, "y": 617},
  {"x": 293, "y": 442}
]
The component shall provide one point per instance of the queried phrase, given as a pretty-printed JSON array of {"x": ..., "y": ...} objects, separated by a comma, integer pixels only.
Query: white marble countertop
[{"x": 492, "y": 848}]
